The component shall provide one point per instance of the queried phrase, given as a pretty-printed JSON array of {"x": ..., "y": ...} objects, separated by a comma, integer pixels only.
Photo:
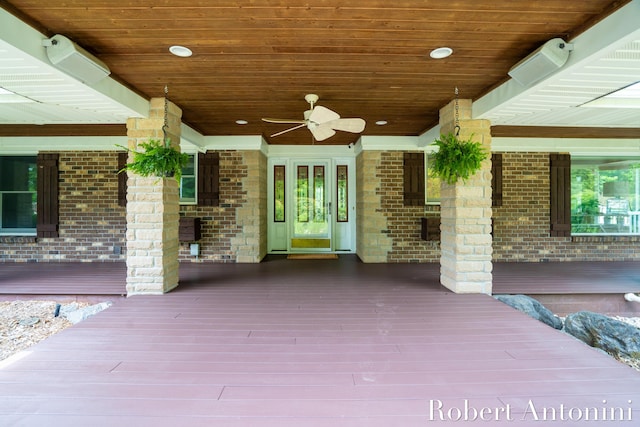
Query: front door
[{"x": 311, "y": 205}]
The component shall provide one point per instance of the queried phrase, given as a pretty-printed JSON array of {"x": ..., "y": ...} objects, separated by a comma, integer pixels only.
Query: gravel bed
[{"x": 25, "y": 323}]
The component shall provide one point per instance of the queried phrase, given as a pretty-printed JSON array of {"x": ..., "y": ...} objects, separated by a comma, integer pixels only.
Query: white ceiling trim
[
  {"x": 57, "y": 97},
  {"x": 605, "y": 58}
]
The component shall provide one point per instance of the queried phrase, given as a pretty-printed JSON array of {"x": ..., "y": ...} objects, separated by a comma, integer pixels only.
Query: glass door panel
[{"x": 311, "y": 228}]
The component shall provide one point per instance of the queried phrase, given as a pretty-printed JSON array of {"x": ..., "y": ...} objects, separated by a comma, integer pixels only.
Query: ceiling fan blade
[
  {"x": 347, "y": 125},
  {"x": 290, "y": 121},
  {"x": 322, "y": 132},
  {"x": 322, "y": 114},
  {"x": 289, "y": 130}
]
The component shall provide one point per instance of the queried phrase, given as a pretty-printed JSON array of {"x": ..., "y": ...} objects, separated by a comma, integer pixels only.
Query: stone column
[
  {"x": 466, "y": 244},
  {"x": 153, "y": 209}
]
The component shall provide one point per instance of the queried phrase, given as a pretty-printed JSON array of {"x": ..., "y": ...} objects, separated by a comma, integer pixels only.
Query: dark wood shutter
[
  {"x": 47, "y": 194},
  {"x": 208, "y": 177},
  {"x": 122, "y": 179},
  {"x": 560, "y": 194},
  {"x": 496, "y": 179},
  {"x": 414, "y": 179}
]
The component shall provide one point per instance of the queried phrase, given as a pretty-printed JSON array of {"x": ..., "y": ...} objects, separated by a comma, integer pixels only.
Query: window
[
  {"x": 432, "y": 196},
  {"x": 18, "y": 195},
  {"x": 188, "y": 181},
  {"x": 605, "y": 197}
]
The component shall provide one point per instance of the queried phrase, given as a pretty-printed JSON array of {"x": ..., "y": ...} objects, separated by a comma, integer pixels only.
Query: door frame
[{"x": 343, "y": 234}]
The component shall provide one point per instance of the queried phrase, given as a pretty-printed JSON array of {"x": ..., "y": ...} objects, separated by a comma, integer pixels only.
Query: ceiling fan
[{"x": 321, "y": 121}]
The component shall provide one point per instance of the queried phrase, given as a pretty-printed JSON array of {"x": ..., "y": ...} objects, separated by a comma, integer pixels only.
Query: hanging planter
[
  {"x": 456, "y": 159},
  {"x": 158, "y": 159}
]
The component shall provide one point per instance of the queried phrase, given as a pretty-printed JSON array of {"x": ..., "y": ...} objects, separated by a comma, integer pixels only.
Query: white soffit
[
  {"x": 605, "y": 59},
  {"x": 55, "y": 98}
]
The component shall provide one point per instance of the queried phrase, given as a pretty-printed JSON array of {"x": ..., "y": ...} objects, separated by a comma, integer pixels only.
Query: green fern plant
[
  {"x": 158, "y": 159},
  {"x": 456, "y": 159}
]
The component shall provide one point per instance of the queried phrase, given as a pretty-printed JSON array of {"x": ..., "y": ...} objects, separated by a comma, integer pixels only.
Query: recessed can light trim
[
  {"x": 441, "y": 52},
  {"x": 381, "y": 122},
  {"x": 181, "y": 51},
  {"x": 241, "y": 122}
]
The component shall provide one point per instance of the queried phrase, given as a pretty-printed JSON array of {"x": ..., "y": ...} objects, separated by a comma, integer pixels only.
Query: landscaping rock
[
  {"x": 597, "y": 330},
  {"x": 74, "y": 314},
  {"x": 533, "y": 308}
]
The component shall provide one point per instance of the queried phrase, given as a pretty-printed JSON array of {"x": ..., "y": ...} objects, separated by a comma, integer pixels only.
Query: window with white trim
[
  {"x": 18, "y": 195},
  {"x": 605, "y": 196}
]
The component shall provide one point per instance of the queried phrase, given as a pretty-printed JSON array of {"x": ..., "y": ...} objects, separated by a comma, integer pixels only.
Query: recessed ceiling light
[
  {"x": 441, "y": 52},
  {"x": 241, "y": 122},
  {"x": 381, "y": 122},
  {"x": 181, "y": 51}
]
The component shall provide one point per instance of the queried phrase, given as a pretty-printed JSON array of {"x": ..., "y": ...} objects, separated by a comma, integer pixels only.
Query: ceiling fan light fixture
[
  {"x": 181, "y": 51},
  {"x": 441, "y": 52}
]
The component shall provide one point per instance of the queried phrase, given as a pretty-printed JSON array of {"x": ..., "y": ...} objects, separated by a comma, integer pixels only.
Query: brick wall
[
  {"x": 521, "y": 224},
  {"x": 403, "y": 222},
  {"x": 388, "y": 231},
  {"x": 92, "y": 225},
  {"x": 236, "y": 229}
]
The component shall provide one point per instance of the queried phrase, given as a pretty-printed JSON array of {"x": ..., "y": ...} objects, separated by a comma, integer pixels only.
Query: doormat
[{"x": 312, "y": 256}]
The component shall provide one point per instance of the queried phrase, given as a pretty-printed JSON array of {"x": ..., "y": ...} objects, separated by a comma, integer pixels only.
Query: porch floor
[{"x": 306, "y": 343}]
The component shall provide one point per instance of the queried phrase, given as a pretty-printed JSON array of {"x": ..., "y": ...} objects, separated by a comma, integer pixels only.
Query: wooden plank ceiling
[{"x": 258, "y": 58}]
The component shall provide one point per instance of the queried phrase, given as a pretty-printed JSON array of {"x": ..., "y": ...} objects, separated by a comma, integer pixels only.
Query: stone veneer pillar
[
  {"x": 372, "y": 237},
  {"x": 466, "y": 244},
  {"x": 153, "y": 209}
]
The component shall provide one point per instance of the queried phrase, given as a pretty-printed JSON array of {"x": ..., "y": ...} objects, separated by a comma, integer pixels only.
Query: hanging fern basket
[
  {"x": 158, "y": 159},
  {"x": 456, "y": 159}
]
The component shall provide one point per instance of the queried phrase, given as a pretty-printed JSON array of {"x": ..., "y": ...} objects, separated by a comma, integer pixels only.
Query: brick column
[
  {"x": 153, "y": 210},
  {"x": 465, "y": 260}
]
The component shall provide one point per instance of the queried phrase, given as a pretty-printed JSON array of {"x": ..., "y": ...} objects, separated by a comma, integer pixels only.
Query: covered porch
[{"x": 312, "y": 343}]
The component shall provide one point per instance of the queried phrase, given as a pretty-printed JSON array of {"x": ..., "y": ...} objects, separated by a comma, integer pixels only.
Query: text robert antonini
[{"x": 602, "y": 411}]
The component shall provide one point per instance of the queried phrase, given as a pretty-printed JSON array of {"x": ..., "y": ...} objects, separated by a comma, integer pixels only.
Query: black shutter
[
  {"x": 208, "y": 177},
  {"x": 560, "y": 194},
  {"x": 122, "y": 179},
  {"x": 47, "y": 194},
  {"x": 414, "y": 179},
  {"x": 496, "y": 179}
]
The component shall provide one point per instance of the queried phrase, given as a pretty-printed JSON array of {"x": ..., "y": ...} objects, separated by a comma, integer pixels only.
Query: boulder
[
  {"x": 74, "y": 314},
  {"x": 610, "y": 335},
  {"x": 533, "y": 308}
]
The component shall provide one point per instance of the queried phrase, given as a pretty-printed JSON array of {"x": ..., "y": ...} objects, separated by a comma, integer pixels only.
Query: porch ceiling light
[
  {"x": 241, "y": 122},
  {"x": 441, "y": 52},
  {"x": 381, "y": 122},
  {"x": 181, "y": 51}
]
